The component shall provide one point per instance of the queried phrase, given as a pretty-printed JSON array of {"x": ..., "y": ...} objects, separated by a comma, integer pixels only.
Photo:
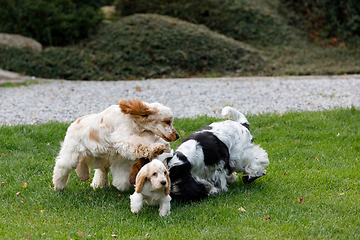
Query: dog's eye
[
  {"x": 165, "y": 173},
  {"x": 167, "y": 122},
  {"x": 154, "y": 174}
]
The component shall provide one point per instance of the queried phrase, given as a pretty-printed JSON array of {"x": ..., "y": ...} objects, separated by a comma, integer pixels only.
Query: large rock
[{"x": 18, "y": 41}]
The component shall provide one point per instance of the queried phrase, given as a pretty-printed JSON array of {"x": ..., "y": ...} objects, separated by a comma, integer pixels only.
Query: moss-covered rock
[{"x": 140, "y": 46}]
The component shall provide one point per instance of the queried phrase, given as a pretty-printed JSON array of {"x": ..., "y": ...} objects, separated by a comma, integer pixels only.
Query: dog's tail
[{"x": 232, "y": 113}]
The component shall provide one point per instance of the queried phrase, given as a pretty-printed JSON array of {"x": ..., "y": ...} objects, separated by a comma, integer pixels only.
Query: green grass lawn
[{"x": 311, "y": 190}]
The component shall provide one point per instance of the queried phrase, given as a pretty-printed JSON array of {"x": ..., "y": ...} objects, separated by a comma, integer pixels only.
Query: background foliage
[
  {"x": 140, "y": 45},
  {"x": 243, "y": 20},
  {"x": 209, "y": 42},
  {"x": 55, "y": 22},
  {"x": 336, "y": 19}
]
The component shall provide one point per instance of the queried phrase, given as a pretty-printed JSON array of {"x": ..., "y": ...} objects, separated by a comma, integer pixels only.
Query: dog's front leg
[
  {"x": 165, "y": 206},
  {"x": 136, "y": 202}
]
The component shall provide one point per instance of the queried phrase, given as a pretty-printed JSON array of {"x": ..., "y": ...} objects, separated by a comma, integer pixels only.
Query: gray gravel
[{"x": 64, "y": 101}]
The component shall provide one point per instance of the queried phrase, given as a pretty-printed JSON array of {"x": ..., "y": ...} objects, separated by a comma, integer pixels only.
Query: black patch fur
[{"x": 214, "y": 150}]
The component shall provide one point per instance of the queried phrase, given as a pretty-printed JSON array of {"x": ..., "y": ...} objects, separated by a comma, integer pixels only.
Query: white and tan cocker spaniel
[
  {"x": 152, "y": 187},
  {"x": 112, "y": 141}
]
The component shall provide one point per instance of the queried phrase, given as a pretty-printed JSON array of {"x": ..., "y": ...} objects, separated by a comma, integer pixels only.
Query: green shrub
[
  {"x": 328, "y": 18},
  {"x": 243, "y": 20},
  {"x": 55, "y": 22},
  {"x": 140, "y": 46}
]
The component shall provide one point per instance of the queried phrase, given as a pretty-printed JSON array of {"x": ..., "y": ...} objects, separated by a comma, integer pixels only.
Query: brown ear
[
  {"x": 167, "y": 190},
  {"x": 135, "y": 168},
  {"x": 136, "y": 108},
  {"x": 141, "y": 179}
]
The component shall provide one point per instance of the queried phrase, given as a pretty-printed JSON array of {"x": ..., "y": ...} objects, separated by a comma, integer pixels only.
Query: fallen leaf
[
  {"x": 28, "y": 235},
  {"x": 43, "y": 234},
  {"x": 25, "y": 185},
  {"x": 119, "y": 195},
  {"x": 81, "y": 234},
  {"x": 285, "y": 173},
  {"x": 138, "y": 89},
  {"x": 2, "y": 183},
  {"x": 242, "y": 209},
  {"x": 89, "y": 198},
  {"x": 267, "y": 217},
  {"x": 18, "y": 193},
  {"x": 300, "y": 200},
  {"x": 147, "y": 235},
  {"x": 113, "y": 235},
  {"x": 50, "y": 186},
  {"x": 341, "y": 194},
  {"x": 42, "y": 211},
  {"x": 316, "y": 158},
  {"x": 3, "y": 154}
]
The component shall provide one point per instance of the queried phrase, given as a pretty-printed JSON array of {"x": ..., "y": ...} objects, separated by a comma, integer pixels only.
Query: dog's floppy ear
[
  {"x": 141, "y": 178},
  {"x": 136, "y": 108},
  {"x": 167, "y": 189}
]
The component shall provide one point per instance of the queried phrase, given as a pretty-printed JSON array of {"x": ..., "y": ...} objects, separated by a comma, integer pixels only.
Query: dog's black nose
[
  {"x": 163, "y": 183},
  {"x": 177, "y": 136}
]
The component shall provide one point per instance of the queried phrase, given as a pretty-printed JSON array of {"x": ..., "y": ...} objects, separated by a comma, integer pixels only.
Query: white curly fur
[{"x": 112, "y": 140}]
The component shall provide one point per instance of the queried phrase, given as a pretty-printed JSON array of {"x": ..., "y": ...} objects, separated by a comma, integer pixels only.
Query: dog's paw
[
  {"x": 163, "y": 211},
  {"x": 248, "y": 179},
  {"x": 158, "y": 149}
]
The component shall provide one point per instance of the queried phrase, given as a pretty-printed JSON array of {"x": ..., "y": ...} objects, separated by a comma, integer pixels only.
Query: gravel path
[{"x": 65, "y": 101}]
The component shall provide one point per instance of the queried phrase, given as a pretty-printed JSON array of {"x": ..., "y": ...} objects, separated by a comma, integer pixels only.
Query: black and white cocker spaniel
[{"x": 209, "y": 159}]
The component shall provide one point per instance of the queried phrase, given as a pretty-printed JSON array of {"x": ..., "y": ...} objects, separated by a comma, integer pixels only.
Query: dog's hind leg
[
  {"x": 82, "y": 169},
  {"x": 65, "y": 163}
]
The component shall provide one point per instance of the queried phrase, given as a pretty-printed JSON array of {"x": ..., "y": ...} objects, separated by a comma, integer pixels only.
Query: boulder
[{"x": 18, "y": 41}]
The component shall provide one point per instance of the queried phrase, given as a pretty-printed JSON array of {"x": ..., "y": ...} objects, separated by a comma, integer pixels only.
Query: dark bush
[
  {"x": 242, "y": 20},
  {"x": 51, "y": 22},
  {"x": 327, "y": 18},
  {"x": 140, "y": 46}
]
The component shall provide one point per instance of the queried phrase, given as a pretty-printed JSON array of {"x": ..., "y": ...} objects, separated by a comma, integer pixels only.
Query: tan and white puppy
[
  {"x": 152, "y": 187},
  {"x": 112, "y": 141}
]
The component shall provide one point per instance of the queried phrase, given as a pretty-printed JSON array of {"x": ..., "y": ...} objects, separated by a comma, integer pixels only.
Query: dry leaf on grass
[
  {"x": 2, "y": 183},
  {"x": 18, "y": 193},
  {"x": 242, "y": 209},
  {"x": 267, "y": 217},
  {"x": 113, "y": 235},
  {"x": 25, "y": 185},
  {"x": 300, "y": 200},
  {"x": 81, "y": 234},
  {"x": 147, "y": 235}
]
